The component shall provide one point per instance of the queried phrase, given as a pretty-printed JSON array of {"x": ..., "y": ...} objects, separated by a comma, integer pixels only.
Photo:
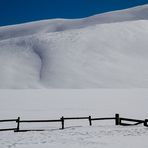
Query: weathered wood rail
[
  {"x": 8, "y": 120},
  {"x": 118, "y": 121}
]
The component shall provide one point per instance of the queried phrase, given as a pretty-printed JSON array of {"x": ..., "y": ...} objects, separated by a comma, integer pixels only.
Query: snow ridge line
[
  {"x": 39, "y": 54},
  {"x": 58, "y": 25}
]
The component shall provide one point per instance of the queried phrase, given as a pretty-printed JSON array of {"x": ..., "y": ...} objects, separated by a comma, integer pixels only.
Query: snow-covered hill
[{"x": 103, "y": 51}]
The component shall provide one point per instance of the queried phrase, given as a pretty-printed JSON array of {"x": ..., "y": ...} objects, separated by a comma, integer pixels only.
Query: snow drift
[{"x": 103, "y": 51}]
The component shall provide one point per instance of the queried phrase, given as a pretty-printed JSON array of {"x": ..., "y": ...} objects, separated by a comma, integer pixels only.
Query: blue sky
[{"x": 19, "y": 11}]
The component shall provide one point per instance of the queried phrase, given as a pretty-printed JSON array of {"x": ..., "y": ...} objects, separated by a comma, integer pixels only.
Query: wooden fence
[{"x": 118, "y": 121}]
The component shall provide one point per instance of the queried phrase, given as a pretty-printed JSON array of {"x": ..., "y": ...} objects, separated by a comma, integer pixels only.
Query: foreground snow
[
  {"x": 52, "y": 104},
  {"x": 79, "y": 137},
  {"x": 103, "y": 51}
]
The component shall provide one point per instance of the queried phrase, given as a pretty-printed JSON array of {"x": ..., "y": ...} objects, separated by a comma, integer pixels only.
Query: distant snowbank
[{"x": 56, "y": 25}]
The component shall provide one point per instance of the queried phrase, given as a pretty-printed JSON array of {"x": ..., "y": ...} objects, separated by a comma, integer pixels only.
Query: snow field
[{"x": 52, "y": 104}]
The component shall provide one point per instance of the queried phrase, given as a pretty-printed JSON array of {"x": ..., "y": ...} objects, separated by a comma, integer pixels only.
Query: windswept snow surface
[
  {"x": 79, "y": 137},
  {"x": 103, "y": 51}
]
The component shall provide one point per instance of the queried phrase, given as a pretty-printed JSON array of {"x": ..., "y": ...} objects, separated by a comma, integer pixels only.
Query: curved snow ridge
[
  {"x": 20, "y": 65},
  {"x": 56, "y": 25},
  {"x": 102, "y": 56}
]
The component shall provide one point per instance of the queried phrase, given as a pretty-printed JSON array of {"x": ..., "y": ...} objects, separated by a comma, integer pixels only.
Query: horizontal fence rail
[
  {"x": 103, "y": 118},
  {"x": 8, "y": 120},
  {"x": 8, "y": 129},
  {"x": 40, "y": 121},
  {"x": 118, "y": 121},
  {"x": 76, "y": 118},
  {"x": 132, "y": 120}
]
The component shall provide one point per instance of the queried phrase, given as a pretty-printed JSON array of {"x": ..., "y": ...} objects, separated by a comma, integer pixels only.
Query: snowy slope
[
  {"x": 56, "y": 25},
  {"x": 103, "y": 51}
]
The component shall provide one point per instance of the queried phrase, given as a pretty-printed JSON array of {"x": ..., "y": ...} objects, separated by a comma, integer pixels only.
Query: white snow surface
[
  {"x": 52, "y": 104},
  {"x": 103, "y": 51}
]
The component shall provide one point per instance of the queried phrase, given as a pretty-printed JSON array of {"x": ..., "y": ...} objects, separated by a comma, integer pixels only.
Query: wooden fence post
[
  {"x": 145, "y": 122},
  {"x": 90, "y": 122},
  {"x": 117, "y": 119},
  {"x": 62, "y": 120},
  {"x": 18, "y": 124}
]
